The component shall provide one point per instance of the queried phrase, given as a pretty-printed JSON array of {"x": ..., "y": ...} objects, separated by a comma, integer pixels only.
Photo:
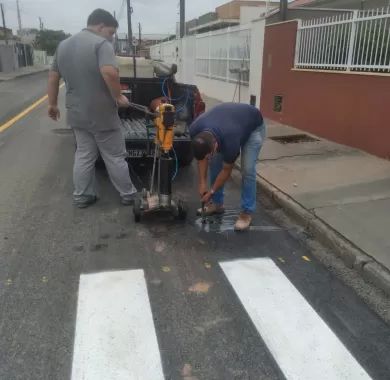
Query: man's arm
[
  {"x": 52, "y": 92},
  {"x": 220, "y": 181},
  {"x": 110, "y": 73},
  {"x": 202, "y": 169}
]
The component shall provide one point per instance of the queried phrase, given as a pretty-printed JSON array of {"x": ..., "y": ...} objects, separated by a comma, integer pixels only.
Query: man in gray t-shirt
[{"x": 87, "y": 63}]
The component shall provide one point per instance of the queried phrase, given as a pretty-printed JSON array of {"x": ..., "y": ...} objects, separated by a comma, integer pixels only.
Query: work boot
[
  {"x": 86, "y": 201},
  {"x": 211, "y": 209},
  {"x": 243, "y": 222}
]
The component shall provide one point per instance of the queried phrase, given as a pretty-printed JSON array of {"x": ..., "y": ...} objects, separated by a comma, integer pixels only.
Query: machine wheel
[
  {"x": 181, "y": 211},
  {"x": 137, "y": 210}
]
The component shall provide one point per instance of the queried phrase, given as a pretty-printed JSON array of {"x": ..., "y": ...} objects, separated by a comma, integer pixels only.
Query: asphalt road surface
[
  {"x": 19, "y": 93},
  {"x": 89, "y": 294}
]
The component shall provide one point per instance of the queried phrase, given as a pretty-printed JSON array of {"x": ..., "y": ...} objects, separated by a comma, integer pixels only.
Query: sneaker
[
  {"x": 129, "y": 200},
  {"x": 86, "y": 201},
  {"x": 243, "y": 222},
  {"x": 211, "y": 209}
]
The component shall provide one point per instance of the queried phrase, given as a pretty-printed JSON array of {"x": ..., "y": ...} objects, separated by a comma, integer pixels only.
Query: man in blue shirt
[{"x": 219, "y": 136}]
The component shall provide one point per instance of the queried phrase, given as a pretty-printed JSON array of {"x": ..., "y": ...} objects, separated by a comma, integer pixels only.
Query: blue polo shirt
[{"x": 231, "y": 124}]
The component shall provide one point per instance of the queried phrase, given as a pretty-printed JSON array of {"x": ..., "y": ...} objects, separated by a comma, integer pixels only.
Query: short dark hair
[
  {"x": 100, "y": 16},
  {"x": 202, "y": 145}
]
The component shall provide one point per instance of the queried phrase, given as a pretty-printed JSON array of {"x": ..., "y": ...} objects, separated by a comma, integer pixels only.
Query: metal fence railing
[
  {"x": 220, "y": 52},
  {"x": 353, "y": 41}
]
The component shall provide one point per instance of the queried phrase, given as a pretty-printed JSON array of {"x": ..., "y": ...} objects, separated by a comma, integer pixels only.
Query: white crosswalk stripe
[
  {"x": 304, "y": 347},
  {"x": 115, "y": 335}
]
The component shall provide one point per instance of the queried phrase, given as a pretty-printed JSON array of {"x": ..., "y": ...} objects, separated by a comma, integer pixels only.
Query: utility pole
[
  {"x": 20, "y": 32},
  {"x": 116, "y": 36},
  {"x": 19, "y": 17},
  {"x": 182, "y": 18},
  {"x": 4, "y": 26},
  {"x": 130, "y": 34},
  {"x": 139, "y": 37},
  {"x": 283, "y": 10},
  {"x": 40, "y": 23},
  {"x": 130, "y": 30}
]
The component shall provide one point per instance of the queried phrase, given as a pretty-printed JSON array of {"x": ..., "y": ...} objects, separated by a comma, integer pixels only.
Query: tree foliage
[{"x": 48, "y": 40}]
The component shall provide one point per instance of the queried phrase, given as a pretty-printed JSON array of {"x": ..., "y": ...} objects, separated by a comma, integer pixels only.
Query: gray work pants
[{"x": 112, "y": 148}]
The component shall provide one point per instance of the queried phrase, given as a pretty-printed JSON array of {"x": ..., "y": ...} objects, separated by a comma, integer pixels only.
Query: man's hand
[
  {"x": 54, "y": 113},
  {"x": 202, "y": 189},
  {"x": 206, "y": 197},
  {"x": 122, "y": 101}
]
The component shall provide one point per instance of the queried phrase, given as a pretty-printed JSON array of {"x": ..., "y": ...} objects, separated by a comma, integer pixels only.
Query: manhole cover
[
  {"x": 62, "y": 131},
  {"x": 294, "y": 139}
]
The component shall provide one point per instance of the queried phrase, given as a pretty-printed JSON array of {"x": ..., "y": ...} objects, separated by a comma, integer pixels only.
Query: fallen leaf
[
  {"x": 45, "y": 279},
  {"x": 200, "y": 287},
  {"x": 282, "y": 260},
  {"x": 207, "y": 265},
  {"x": 306, "y": 258},
  {"x": 187, "y": 373},
  {"x": 8, "y": 282},
  {"x": 160, "y": 246},
  {"x": 187, "y": 370},
  {"x": 166, "y": 269}
]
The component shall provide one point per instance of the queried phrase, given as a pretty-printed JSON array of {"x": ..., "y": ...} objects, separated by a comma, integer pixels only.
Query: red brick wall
[{"x": 350, "y": 109}]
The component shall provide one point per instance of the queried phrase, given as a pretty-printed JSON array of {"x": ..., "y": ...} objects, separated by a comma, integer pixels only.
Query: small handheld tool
[{"x": 203, "y": 212}]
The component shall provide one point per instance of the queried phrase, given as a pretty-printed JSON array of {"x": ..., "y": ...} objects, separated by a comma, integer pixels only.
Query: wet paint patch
[{"x": 221, "y": 225}]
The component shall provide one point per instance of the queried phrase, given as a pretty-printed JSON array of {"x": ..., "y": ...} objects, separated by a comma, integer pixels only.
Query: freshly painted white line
[
  {"x": 115, "y": 335},
  {"x": 304, "y": 347}
]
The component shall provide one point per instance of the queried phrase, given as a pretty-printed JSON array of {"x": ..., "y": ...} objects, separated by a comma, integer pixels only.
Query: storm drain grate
[{"x": 294, "y": 139}]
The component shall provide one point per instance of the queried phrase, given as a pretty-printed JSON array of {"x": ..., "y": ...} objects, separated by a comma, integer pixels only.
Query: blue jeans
[{"x": 249, "y": 155}]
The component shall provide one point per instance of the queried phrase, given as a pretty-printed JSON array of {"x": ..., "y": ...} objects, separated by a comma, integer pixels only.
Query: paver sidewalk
[
  {"x": 25, "y": 71},
  {"x": 344, "y": 188},
  {"x": 340, "y": 193}
]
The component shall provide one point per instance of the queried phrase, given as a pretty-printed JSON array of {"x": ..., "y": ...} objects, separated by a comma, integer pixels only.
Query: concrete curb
[
  {"x": 352, "y": 256},
  {"x": 22, "y": 75}
]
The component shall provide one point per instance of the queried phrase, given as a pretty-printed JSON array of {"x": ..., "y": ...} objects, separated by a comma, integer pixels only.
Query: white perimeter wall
[{"x": 183, "y": 53}]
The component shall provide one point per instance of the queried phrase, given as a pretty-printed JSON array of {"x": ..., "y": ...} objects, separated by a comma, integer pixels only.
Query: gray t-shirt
[{"x": 89, "y": 102}]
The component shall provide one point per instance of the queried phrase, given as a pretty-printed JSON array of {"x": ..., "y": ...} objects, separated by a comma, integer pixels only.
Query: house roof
[
  {"x": 217, "y": 24},
  {"x": 299, "y": 3},
  {"x": 146, "y": 37}
]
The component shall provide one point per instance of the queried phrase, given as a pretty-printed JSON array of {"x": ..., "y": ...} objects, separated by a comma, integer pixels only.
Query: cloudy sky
[{"x": 156, "y": 16}]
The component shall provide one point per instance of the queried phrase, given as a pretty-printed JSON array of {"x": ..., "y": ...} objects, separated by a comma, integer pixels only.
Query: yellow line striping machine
[{"x": 158, "y": 198}]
